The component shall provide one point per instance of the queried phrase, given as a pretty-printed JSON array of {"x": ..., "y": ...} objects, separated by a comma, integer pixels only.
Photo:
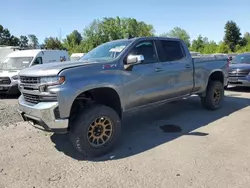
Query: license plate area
[{"x": 233, "y": 80}]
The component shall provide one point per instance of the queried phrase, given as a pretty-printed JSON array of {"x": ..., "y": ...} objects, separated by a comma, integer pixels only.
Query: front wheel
[
  {"x": 96, "y": 131},
  {"x": 214, "y": 96}
]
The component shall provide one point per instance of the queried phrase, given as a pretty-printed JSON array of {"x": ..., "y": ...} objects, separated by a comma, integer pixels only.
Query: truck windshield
[
  {"x": 107, "y": 51},
  {"x": 241, "y": 59},
  {"x": 15, "y": 63}
]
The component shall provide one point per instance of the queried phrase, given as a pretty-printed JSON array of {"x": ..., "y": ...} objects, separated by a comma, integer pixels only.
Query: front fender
[{"x": 70, "y": 90}]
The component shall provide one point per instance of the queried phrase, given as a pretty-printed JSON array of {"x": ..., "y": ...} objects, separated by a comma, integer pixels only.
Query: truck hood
[
  {"x": 9, "y": 73},
  {"x": 52, "y": 69},
  {"x": 240, "y": 66}
]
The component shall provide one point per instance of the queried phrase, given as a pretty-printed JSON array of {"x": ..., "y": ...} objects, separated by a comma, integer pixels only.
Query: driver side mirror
[
  {"x": 230, "y": 58},
  {"x": 134, "y": 59}
]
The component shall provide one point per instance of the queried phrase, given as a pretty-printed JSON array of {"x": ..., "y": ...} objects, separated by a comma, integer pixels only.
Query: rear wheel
[
  {"x": 96, "y": 131},
  {"x": 214, "y": 96}
]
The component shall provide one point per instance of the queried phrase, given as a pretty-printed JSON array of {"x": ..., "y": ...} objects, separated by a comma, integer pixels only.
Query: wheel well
[
  {"x": 106, "y": 96},
  {"x": 217, "y": 76}
]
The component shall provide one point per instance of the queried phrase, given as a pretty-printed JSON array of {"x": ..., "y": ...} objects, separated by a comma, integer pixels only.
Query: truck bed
[{"x": 202, "y": 69}]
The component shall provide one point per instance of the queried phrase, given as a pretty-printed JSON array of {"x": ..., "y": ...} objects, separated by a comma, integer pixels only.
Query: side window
[
  {"x": 38, "y": 61},
  {"x": 172, "y": 50},
  {"x": 147, "y": 49}
]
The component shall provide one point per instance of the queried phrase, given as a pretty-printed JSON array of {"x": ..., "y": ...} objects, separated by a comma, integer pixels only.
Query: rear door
[{"x": 176, "y": 68}]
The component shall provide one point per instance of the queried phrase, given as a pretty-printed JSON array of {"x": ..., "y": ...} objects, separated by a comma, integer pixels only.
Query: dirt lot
[{"x": 212, "y": 149}]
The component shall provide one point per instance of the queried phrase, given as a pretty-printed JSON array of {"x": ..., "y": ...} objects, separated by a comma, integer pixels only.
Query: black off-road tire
[
  {"x": 79, "y": 130},
  {"x": 208, "y": 101}
]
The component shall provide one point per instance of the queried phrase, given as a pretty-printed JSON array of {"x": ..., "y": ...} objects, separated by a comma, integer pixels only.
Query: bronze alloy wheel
[
  {"x": 217, "y": 96},
  {"x": 100, "y": 131}
]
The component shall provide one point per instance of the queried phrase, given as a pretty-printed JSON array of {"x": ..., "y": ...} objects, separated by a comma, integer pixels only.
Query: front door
[{"x": 141, "y": 84}]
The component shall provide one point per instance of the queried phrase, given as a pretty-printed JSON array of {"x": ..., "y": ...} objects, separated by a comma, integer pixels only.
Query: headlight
[
  {"x": 55, "y": 80},
  {"x": 16, "y": 77}
]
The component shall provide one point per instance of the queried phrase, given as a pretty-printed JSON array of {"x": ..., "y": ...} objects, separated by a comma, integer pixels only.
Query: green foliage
[
  {"x": 101, "y": 31},
  {"x": 72, "y": 41},
  {"x": 108, "y": 28},
  {"x": 6, "y": 38},
  {"x": 223, "y": 48},
  {"x": 232, "y": 35},
  {"x": 33, "y": 41},
  {"x": 178, "y": 32},
  {"x": 210, "y": 47},
  {"x": 198, "y": 44},
  {"x": 23, "y": 41},
  {"x": 52, "y": 43}
]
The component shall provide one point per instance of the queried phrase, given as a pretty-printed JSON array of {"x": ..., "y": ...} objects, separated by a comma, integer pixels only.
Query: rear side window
[{"x": 171, "y": 51}]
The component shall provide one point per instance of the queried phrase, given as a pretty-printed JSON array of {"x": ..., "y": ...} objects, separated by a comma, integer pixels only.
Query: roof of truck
[
  {"x": 28, "y": 53},
  {"x": 148, "y": 38}
]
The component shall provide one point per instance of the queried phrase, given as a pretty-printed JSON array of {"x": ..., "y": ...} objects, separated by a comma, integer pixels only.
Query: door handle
[
  {"x": 158, "y": 69},
  {"x": 187, "y": 66}
]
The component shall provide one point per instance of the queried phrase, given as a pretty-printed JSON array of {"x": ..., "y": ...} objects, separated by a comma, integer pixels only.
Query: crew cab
[{"x": 89, "y": 98}]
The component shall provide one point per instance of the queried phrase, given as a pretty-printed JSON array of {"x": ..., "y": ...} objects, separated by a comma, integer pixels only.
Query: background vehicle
[
  {"x": 89, "y": 98},
  {"x": 195, "y": 54},
  {"x": 239, "y": 72},
  {"x": 232, "y": 56},
  {"x": 6, "y": 50},
  {"x": 76, "y": 56},
  {"x": 19, "y": 60}
]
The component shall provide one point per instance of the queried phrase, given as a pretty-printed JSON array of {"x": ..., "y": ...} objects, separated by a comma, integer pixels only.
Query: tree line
[{"x": 103, "y": 30}]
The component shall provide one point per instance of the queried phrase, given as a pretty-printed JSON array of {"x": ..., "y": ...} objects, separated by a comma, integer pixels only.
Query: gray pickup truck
[{"x": 89, "y": 98}]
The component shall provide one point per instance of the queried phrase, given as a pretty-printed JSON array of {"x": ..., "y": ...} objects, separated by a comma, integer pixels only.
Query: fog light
[{"x": 42, "y": 88}]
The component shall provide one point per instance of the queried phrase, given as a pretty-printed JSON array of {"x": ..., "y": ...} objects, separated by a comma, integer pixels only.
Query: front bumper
[
  {"x": 239, "y": 81},
  {"x": 9, "y": 89},
  {"x": 42, "y": 116}
]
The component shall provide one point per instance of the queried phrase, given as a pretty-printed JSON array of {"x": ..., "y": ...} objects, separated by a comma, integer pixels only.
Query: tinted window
[
  {"x": 172, "y": 51},
  {"x": 147, "y": 49},
  {"x": 241, "y": 59}
]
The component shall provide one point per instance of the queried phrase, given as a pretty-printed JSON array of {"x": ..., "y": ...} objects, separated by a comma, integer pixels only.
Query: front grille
[
  {"x": 238, "y": 74},
  {"x": 29, "y": 80},
  {"x": 35, "y": 99},
  {"x": 5, "y": 80}
]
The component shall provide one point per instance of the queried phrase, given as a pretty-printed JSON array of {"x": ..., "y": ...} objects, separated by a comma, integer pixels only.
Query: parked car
[
  {"x": 195, "y": 54},
  {"x": 89, "y": 98},
  {"x": 6, "y": 50},
  {"x": 239, "y": 70},
  {"x": 19, "y": 60},
  {"x": 76, "y": 56}
]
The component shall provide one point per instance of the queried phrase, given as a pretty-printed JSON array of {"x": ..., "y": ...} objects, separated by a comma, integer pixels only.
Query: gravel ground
[
  {"x": 211, "y": 150},
  {"x": 8, "y": 111}
]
